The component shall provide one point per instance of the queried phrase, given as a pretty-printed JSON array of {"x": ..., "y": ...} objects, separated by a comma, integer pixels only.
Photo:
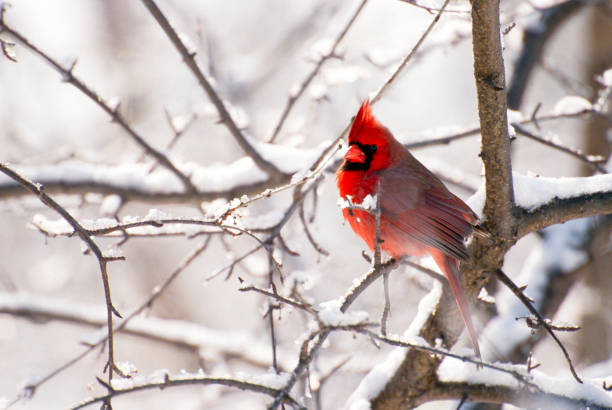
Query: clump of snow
[
  {"x": 113, "y": 253},
  {"x": 380, "y": 375},
  {"x": 127, "y": 368},
  {"x": 572, "y": 104},
  {"x": 370, "y": 202},
  {"x": 330, "y": 314},
  {"x": 514, "y": 117},
  {"x": 216, "y": 208},
  {"x": 110, "y": 205},
  {"x": 345, "y": 73},
  {"x": 156, "y": 215},
  {"x": 318, "y": 90},
  {"x": 606, "y": 78},
  {"x": 52, "y": 227},
  {"x": 304, "y": 279},
  {"x": 187, "y": 42},
  {"x": 321, "y": 48},
  {"x": 270, "y": 379}
]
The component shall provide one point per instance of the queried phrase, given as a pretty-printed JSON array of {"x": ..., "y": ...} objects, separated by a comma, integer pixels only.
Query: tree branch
[
  {"x": 563, "y": 210},
  {"x": 225, "y": 117},
  {"x": 304, "y": 85},
  {"x": 187, "y": 381},
  {"x": 492, "y": 112},
  {"x": 85, "y": 237},
  {"x": 69, "y": 77}
]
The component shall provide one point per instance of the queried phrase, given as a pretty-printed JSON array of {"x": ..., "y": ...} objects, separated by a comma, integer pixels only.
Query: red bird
[{"x": 419, "y": 215}]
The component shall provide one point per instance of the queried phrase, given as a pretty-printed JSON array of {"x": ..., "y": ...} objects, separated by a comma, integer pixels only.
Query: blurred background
[{"x": 258, "y": 53}]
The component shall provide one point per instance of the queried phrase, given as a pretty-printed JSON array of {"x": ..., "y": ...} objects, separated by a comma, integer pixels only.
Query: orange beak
[{"x": 355, "y": 154}]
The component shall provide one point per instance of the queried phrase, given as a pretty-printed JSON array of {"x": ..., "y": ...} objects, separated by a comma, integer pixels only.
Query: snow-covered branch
[{"x": 264, "y": 384}]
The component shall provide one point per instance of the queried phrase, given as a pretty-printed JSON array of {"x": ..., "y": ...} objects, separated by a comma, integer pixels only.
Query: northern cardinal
[{"x": 418, "y": 214}]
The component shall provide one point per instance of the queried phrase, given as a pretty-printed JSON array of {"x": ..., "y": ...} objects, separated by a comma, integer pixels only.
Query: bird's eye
[{"x": 372, "y": 149}]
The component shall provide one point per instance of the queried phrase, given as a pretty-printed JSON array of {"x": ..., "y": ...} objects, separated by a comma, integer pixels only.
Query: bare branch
[
  {"x": 558, "y": 146},
  {"x": 304, "y": 85},
  {"x": 69, "y": 77},
  {"x": 189, "y": 59},
  {"x": 527, "y": 303},
  {"x": 85, "y": 237},
  {"x": 411, "y": 54},
  {"x": 535, "y": 37},
  {"x": 297, "y": 304}
]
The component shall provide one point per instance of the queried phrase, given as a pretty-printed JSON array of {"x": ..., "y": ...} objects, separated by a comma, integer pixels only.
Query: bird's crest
[{"x": 364, "y": 117}]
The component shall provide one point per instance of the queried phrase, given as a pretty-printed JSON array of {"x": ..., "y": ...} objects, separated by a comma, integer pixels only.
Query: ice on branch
[
  {"x": 572, "y": 104},
  {"x": 331, "y": 315}
]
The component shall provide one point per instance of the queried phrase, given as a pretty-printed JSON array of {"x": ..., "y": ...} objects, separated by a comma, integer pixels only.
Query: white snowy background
[{"x": 257, "y": 52}]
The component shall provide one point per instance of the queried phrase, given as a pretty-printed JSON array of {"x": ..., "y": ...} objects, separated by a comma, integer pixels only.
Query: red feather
[{"x": 419, "y": 215}]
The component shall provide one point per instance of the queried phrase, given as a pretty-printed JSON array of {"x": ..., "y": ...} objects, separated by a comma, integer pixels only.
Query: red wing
[{"x": 415, "y": 202}]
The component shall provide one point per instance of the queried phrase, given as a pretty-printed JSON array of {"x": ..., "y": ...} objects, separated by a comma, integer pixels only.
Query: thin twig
[
  {"x": 412, "y": 52},
  {"x": 432, "y": 10},
  {"x": 306, "y": 358},
  {"x": 69, "y": 77},
  {"x": 184, "y": 381},
  {"x": 297, "y": 304},
  {"x": 225, "y": 117},
  {"x": 558, "y": 146},
  {"x": 387, "y": 308},
  {"x": 85, "y": 237},
  {"x": 304, "y": 85},
  {"x": 309, "y": 236},
  {"x": 519, "y": 294},
  {"x": 376, "y": 260},
  {"x": 155, "y": 294}
]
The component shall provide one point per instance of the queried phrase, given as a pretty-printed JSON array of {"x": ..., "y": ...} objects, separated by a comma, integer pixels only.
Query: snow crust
[
  {"x": 572, "y": 104},
  {"x": 330, "y": 314}
]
